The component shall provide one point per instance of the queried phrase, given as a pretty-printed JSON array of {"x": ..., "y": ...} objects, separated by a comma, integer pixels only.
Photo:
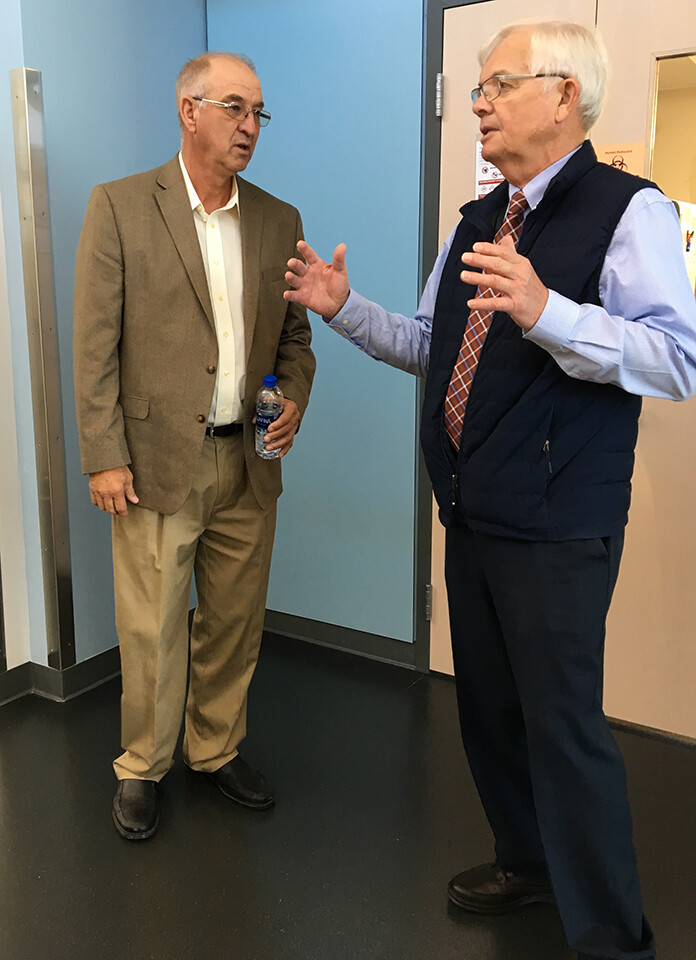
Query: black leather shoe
[
  {"x": 135, "y": 809},
  {"x": 492, "y": 889},
  {"x": 239, "y": 781}
]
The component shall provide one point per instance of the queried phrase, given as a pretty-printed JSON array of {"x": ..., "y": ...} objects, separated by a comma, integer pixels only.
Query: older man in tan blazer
[{"x": 179, "y": 314}]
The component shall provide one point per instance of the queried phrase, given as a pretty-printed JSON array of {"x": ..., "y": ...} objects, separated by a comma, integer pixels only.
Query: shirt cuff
[
  {"x": 555, "y": 325},
  {"x": 348, "y": 312}
]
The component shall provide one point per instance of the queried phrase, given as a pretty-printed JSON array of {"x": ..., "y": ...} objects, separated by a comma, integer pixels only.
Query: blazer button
[
  {"x": 211, "y": 368},
  {"x": 201, "y": 418}
]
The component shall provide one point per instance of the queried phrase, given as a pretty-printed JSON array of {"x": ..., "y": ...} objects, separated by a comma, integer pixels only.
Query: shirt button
[
  {"x": 210, "y": 368},
  {"x": 221, "y": 297},
  {"x": 225, "y": 334},
  {"x": 224, "y": 410},
  {"x": 227, "y": 373},
  {"x": 201, "y": 418},
  {"x": 212, "y": 225},
  {"x": 216, "y": 262}
]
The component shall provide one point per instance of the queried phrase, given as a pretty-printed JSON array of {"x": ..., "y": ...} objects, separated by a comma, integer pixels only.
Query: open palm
[{"x": 317, "y": 285}]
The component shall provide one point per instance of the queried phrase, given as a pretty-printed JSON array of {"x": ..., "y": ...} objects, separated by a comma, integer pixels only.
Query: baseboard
[
  {"x": 402, "y": 654},
  {"x": 59, "y": 685},
  {"x": 65, "y": 684},
  {"x": 368, "y": 645},
  {"x": 15, "y": 682},
  {"x": 652, "y": 733}
]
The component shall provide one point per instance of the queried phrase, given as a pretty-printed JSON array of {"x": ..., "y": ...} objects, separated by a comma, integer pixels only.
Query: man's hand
[
  {"x": 519, "y": 290},
  {"x": 317, "y": 285},
  {"x": 110, "y": 489},
  {"x": 281, "y": 432}
]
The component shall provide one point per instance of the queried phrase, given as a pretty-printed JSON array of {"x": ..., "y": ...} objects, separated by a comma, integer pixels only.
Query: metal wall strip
[{"x": 32, "y": 189}]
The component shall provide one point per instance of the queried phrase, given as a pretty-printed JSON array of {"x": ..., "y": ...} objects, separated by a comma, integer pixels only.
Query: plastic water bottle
[{"x": 269, "y": 406}]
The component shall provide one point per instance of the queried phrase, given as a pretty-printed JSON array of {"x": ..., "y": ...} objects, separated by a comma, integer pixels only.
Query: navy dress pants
[{"x": 527, "y": 621}]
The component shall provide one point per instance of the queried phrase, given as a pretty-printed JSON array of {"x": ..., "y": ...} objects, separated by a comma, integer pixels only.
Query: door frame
[
  {"x": 433, "y": 30},
  {"x": 433, "y": 23},
  {"x": 434, "y": 26}
]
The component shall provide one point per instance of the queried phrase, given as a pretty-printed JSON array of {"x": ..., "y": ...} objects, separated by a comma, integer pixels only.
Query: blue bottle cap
[{"x": 270, "y": 381}]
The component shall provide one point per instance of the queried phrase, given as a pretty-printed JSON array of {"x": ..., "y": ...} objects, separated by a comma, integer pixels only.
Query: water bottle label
[{"x": 264, "y": 419}]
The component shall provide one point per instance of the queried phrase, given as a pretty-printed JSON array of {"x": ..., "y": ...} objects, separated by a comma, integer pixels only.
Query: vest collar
[
  {"x": 484, "y": 211},
  {"x": 579, "y": 164}
]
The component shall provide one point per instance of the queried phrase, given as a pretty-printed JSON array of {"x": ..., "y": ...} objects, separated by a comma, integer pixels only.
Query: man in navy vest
[{"x": 534, "y": 378}]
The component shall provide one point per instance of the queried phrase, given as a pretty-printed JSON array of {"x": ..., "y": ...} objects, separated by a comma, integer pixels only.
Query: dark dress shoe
[
  {"x": 239, "y": 781},
  {"x": 135, "y": 809},
  {"x": 492, "y": 889}
]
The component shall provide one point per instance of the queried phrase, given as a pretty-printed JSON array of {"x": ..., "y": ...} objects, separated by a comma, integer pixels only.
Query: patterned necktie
[{"x": 475, "y": 332}]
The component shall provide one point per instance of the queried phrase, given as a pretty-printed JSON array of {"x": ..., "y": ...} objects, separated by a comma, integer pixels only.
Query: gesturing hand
[
  {"x": 317, "y": 285},
  {"x": 519, "y": 291}
]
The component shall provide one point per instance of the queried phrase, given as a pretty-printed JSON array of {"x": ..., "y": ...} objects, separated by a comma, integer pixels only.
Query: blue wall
[
  {"x": 344, "y": 146},
  {"x": 343, "y": 83},
  {"x": 108, "y": 74}
]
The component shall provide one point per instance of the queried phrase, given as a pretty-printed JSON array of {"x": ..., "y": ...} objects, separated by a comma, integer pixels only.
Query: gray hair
[
  {"x": 194, "y": 73},
  {"x": 560, "y": 46}
]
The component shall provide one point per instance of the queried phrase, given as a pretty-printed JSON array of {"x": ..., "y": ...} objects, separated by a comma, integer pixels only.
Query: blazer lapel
[
  {"x": 174, "y": 203},
  {"x": 251, "y": 221}
]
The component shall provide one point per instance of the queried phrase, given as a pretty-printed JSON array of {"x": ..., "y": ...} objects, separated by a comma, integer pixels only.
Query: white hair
[{"x": 563, "y": 47}]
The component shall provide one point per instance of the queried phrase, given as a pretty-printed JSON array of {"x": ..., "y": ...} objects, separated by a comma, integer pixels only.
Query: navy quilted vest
[{"x": 543, "y": 456}]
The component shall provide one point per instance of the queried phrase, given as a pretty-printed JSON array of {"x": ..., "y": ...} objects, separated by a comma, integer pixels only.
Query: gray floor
[{"x": 376, "y": 810}]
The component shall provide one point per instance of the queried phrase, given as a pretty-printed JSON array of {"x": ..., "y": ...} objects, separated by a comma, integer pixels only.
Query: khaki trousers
[{"x": 224, "y": 538}]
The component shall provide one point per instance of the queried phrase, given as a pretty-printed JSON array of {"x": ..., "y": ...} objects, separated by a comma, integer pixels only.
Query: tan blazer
[{"x": 145, "y": 347}]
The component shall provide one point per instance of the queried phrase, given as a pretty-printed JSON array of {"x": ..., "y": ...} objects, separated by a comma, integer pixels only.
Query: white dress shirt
[{"x": 220, "y": 239}]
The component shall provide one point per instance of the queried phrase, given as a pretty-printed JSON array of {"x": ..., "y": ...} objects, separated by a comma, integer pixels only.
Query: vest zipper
[{"x": 547, "y": 451}]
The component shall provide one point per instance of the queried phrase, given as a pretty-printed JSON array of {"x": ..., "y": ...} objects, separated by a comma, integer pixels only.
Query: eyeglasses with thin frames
[
  {"x": 239, "y": 111},
  {"x": 491, "y": 88}
]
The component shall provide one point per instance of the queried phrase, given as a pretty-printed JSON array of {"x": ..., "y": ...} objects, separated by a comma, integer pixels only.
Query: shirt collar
[
  {"x": 194, "y": 199},
  {"x": 536, "y": 188}
]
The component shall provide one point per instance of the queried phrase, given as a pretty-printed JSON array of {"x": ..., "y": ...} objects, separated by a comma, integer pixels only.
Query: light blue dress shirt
[{"x": 642, "y": 338}]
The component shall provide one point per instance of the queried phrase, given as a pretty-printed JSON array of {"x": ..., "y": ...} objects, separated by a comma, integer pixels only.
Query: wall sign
[
  {"x": 487, "y": 174},
  {"x": 624, "y": 156}
]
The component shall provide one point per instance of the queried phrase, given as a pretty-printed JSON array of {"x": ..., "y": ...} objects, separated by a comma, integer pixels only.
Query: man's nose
[
  {"x": 481, "y": 106},
  {"x": 248, "y": 124}
]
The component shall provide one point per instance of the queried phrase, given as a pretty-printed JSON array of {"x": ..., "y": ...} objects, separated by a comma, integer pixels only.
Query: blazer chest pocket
[{"x": 135, "y": 407}]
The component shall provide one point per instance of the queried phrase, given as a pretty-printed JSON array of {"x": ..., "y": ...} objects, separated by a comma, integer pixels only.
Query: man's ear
[
  {"x": 188, "y": 112},
  {"x": 568, "y": 96}
]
